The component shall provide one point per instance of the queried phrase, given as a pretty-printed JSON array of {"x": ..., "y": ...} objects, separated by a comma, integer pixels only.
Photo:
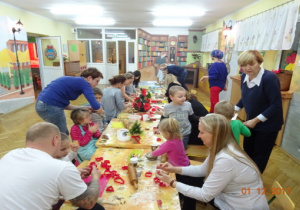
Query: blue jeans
[
  {"x": 52, "y": 114},
  {"x": 181, "y": 78},
  {"x": 185, "y": 140}
]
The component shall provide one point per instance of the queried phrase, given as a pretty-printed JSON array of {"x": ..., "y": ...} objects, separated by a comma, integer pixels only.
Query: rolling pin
[{"x": 132, "y": 176}]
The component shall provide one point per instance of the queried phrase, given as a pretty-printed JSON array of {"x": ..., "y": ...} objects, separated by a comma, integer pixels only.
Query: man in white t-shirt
[{"x": 31, "y": 178}]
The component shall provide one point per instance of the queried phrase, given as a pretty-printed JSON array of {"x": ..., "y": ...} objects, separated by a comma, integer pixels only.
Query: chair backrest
[{"x": 282, "y": 196}]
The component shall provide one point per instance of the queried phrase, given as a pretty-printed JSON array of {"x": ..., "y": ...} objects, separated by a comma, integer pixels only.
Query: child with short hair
[
  {"x": 180, "y": 110},
  {"x": 112, "y": 101},
  {"x": 99, "y": 118},
  {"x": 64, "y": 153},
  {"x": 86, "y": 132},
  {"x": 226, "y": 109},
  {"x": 169, "y": 128}
]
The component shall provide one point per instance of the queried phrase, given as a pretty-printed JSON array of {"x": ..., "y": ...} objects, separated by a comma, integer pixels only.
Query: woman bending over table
[
  {"x": 55, "y": 98},
  {"x": 231, "y": 177}
]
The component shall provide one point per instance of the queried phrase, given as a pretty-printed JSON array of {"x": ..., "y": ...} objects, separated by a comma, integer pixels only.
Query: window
[
  {"x": 97, "y": 51},
  {"x": 85, "y": 33},
  {"x": 119, "y": 34},
  {"x": 111, "y": 52}
]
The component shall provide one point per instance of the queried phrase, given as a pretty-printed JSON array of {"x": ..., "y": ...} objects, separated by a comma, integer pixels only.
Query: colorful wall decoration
[{"x": 11, "y": 79}]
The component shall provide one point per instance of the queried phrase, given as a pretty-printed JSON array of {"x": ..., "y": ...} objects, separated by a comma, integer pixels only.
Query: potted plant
[
  {"x": 136, "y": 132},
  {"x": 197, "y": 58}
]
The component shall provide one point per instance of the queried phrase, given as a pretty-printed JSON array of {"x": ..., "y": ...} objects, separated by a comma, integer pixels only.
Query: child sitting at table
[
  {"x": 226, "y": 109},
  {"x": 180, "y": 110},
  {"x": 137, "y": 78},
  {"x": 169, "y": 128},
  {"x": 112, "y": 101},
  {"x": 64, "y": 153},
  {"x": 85, "y": 132},
  {"x": 99, "y": 118}
]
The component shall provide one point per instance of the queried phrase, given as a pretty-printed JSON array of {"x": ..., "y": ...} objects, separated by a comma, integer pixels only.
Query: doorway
[{"x": 122, "y": 56}]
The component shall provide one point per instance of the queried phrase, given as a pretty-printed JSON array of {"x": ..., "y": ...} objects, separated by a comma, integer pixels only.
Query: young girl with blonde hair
[
  {"x": 228, "y": 170},
  {"x": 85, "y": 132},
  {"x": 174, "y": 148}
]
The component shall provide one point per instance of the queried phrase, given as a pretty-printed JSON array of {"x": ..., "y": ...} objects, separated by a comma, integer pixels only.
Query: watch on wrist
[{"x": 172, "y": 182}]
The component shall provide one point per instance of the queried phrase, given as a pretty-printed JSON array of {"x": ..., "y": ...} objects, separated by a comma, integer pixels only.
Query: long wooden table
[
  {"x": 147, "y": 138},
  {"x": 125, "y": 196}
]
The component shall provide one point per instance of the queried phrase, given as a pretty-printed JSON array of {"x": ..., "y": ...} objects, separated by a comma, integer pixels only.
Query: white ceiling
[{"x": 136, "y": 13}]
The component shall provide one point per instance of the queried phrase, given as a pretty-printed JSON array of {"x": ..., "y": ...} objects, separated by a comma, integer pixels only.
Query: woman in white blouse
[{"x": 231, "y": 178}]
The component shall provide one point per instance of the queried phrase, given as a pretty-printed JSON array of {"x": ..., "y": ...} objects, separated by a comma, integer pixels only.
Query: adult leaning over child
[
  {"x": 31, "y": 177},
  {"x": 228, "y": 170},
  {"x": 55, "y": 98}
]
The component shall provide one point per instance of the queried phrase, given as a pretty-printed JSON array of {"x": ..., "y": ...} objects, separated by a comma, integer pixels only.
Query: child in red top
[{"x": 85, "y": 132}]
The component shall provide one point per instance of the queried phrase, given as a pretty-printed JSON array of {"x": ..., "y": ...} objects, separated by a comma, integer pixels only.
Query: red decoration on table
[
  {"x": 148, "y": 174},
  {"x": 93, "y": 163},
  {"x": 98, "y": 159},
  {"x": 136, "y": 138},
  {"x": 119, "y": 180},
  {"x": 158, "y": 139},
  {"x": 159, "y": 203},
  {"x": 162, "y": 184},
  {"x": 156, "y": 180},
  {"x": 142, "y": 103},
  {"x": 106, "y": 161},
  {"x": 110, "y": 189},
  {"x": 125, "y": 167}
]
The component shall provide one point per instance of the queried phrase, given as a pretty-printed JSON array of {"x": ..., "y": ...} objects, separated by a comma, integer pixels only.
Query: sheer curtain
[{"x": 271, "y": 30}]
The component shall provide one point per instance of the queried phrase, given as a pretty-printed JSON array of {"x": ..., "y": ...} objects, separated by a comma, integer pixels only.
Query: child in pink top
[
  {"x": 85, "y": 132},
  {"x": 174, "y": 148},
  {"x": 174, "y": 145}
]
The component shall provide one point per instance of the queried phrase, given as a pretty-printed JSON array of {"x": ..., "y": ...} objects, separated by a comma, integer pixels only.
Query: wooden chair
[
  {"x": 197, "y": 151},
  {"x": 283, "y": 198}
]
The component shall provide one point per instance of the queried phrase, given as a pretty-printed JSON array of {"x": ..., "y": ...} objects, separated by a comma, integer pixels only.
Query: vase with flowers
[{"x": 142, "y": 103}]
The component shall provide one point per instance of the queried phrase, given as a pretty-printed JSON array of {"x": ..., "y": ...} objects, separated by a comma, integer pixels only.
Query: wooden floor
[{"x": 281, "y": 166}]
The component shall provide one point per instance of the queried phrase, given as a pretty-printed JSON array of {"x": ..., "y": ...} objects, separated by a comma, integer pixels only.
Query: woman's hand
[
  {"x": 251, "y": 123},
  {"x": 204, "y": 77},
  {"x": 163, "y": 177},
  {"x": 128, "y": 104},
  {"x": 166, "y": 167}
]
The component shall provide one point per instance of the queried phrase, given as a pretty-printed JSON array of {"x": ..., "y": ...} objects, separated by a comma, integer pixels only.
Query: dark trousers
[
  {"x": 189, "y": 203},
  {"x": 259, "y": 147},
  {"x": 96, "y": 207},
  {"x": 181, "y": 79}
]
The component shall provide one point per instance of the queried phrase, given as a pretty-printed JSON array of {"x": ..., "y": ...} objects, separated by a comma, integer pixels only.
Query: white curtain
[
  {"x": 271, "y": 30},
  {"x": 210, "y": 41}
]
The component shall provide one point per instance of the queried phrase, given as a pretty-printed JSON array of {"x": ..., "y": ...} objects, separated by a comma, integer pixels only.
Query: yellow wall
[
  {"x": 258, "y": 7},
  {"x": 37, "y": 24}
]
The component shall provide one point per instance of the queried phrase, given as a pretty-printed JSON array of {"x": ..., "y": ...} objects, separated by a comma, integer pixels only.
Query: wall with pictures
[{"x": 10, "y": 82}]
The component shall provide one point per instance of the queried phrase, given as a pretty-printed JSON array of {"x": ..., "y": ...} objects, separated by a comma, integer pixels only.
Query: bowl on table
[
  {"x": 135, "y": 117},
  {"x": 150, "y": 157}
]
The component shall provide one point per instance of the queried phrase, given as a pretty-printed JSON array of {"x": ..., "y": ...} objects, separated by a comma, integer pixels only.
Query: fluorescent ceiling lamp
[
  {"x": 94, "y": 21},
  {"x": 172, "y": 22},
  {"x": 76, "y": 9},
  {"x": 178, "y": 12}
]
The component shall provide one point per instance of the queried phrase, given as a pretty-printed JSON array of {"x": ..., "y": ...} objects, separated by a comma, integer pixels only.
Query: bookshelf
[
  {"x": 144, "y": 56},
  {"x": 159, "y": 44},
  {"x": 182, "y": 48}
]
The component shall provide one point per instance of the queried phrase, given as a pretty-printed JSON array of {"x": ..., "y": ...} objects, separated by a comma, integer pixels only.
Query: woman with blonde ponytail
[{"x": 231, "y": 177}]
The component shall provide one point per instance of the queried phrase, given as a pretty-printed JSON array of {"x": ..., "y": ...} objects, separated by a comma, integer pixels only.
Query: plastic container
[{"x": 133, "y": 118}]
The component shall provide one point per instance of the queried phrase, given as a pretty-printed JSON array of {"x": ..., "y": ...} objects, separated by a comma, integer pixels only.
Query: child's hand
[
  {"x": 94, "y": 128},
  {"x": 128, "y": 104},
  {"x": 159, "y": 111},
  {"x": 74, "y": 147},
  {"x": 156, "y": 131}
]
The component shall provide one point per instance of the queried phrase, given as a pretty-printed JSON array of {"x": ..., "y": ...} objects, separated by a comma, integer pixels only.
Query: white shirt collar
[{"x": 256, "y": 80}]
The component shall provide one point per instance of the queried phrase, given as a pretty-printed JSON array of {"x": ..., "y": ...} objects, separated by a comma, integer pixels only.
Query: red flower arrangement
[{"x": 142, "y": 103}]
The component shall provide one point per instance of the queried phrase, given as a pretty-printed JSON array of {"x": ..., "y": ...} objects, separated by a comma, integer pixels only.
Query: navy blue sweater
[
  {"x": 217, "y": 75},
  {"x": 60, "y": 91},
  {"x": 264, "y": 99},
  {"x": 175, "y": 70}
]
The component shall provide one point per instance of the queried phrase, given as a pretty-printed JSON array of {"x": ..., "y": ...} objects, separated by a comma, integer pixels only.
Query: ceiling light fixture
[
  {"x": 76, "y": 9},
  {"x": 95, "y": 21},
  {"x": 172, "y": 22},
  {"x": 178, "y": 12}
]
